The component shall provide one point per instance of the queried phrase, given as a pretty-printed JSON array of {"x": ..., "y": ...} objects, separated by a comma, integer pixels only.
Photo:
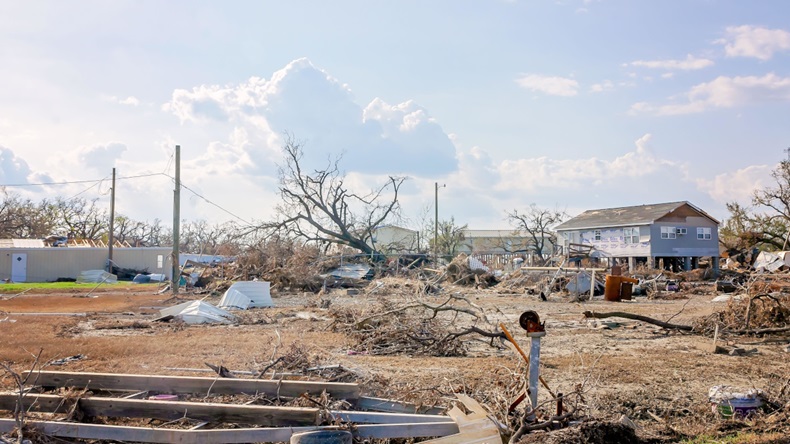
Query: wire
[
  {"x": 96, "y": 182},
  {"x": 86, "y": 189},
  {"x": 169, "y": 161},
  {"x": 73, "y": 182},
  {"x": 216, "y": 205}
]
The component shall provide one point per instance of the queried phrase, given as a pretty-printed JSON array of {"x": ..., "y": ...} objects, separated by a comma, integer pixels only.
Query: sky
[{"x": 566, "y": 104}]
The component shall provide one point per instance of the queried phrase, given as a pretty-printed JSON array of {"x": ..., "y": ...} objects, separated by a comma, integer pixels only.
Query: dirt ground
[{"x": 657, "y": 378}]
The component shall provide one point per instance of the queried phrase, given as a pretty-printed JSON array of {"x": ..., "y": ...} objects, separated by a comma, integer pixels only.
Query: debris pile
[{"x": 413, "y": 326}]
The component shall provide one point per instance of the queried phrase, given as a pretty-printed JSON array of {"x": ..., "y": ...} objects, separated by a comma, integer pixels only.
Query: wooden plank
[
  {"x": 221, "y": 436},
  {"x": 229, "y": 413},
  {"x": 392, "y": 406},
  {"x": 385, "y": 418},
  {"x": 474, "y": 427},
  {"x": 170, "y": 410},
  {"x": 193, "y": 384}
]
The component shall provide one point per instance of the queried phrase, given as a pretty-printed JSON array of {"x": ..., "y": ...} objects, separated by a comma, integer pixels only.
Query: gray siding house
[{"x": 674, "y": 235}]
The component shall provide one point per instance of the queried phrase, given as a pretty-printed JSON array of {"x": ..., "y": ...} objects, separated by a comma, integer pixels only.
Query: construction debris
[
  {"x": 268, "y": 420},
  {"x": 196, "y": 312},
  {"x": 96, "y": 276},
  {"x": 244, "y": 295}
]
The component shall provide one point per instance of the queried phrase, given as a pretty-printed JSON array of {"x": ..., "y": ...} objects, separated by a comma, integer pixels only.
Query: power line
[
  {"x": 96, "y": 182},
  {"x": 216, "y": 205},
  {"x": 74, "y": 182}
]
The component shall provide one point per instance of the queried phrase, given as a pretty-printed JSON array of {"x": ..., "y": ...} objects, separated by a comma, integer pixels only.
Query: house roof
[
  {"x": 22, "y": 243},
  {"x": 491, "y": 233},
  {"x": 629, "y": 216},
  {"x": 395, "y": 227}
]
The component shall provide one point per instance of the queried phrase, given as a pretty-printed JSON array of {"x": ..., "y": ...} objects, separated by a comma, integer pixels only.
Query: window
[
  {"x": 597, "y": 235},
  {"x": 160, "y": 260},
  {"x": 631, "y": 235},
  {"x": 703, "y": 233},
  {"x": 668, "y": 233}
]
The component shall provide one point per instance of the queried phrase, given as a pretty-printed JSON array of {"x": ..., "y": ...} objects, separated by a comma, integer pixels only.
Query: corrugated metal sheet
[
  {"x": 198, "y": 312},
  {"x": 97, "y": 276},
  {"x": 249, "y": 294}
]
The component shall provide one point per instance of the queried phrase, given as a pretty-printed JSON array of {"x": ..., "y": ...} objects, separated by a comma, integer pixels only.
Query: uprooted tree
[
  {"x": 537, "y": 223},
  {"x": 320, "y": 207}
]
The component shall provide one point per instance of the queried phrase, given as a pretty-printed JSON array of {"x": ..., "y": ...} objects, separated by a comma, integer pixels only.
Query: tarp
[
  {"x": 96, "y": 276},
  {"x": 771, "y": 261},
  {"x": 249, "y": 294},
  {"x": 198, "y": 312}
]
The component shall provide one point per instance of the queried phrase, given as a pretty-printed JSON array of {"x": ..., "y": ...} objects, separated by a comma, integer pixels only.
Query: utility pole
[
  {"x": 111, "y": 236},
  {"x": 176, "y": 277}
]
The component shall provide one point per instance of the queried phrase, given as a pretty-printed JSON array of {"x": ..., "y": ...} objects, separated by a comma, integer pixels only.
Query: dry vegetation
[{"x": 415, "y": 336}]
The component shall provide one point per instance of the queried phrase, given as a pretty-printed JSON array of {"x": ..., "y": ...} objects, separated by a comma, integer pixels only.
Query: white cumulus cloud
[
  {"x": 690, "y": 63},
  {"x": 738, "y": 186},
  {"x": 550, "y": 85},
  {"x": 754, "y": 41},
  {"x": 308, "y": 103},
  {"x": 724, "y": 92},
  {"x": 542, "y": 172}
]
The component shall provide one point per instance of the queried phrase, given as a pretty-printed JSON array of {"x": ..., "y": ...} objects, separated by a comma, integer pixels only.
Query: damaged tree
[
  {"x": 748, "y": 227},
  {"x": 320, "y": 207},
  {"x": 537, "y": 222}
]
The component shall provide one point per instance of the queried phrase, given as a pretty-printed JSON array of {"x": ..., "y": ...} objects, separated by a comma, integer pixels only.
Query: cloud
[
  {"x": 690, "y": 63},
  {"x": 534, "y": 174},
  {"x": 315, "y": 108},
  {"x": 724, "y": 92},
  {"x": 604, "y": 86},
  {"x": 550, "y": 85},
  {"x": 754, "y": 41},
  {"x": 129, "y": 101},
  {"x": 738, "y": 186},
  {"x": 100, "y": 157},
  {"x": 13, "y": 169}
]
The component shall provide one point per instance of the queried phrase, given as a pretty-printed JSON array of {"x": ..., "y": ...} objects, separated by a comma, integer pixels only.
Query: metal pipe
[{"x": 534, "y": 370}]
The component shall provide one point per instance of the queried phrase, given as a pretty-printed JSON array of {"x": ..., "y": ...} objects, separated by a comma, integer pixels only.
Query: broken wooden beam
[
  {"x": 167, "y": 410},
  {"x": 392, "y": 406},
  {"x": 192, "y": 384},
  {"x": 230, "y": 413},
  {"x": 221, "y": 436}
]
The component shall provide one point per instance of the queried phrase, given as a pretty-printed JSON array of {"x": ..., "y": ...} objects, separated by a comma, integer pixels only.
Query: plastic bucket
[
  {"x": 738, "y": 407},
  {"x": 729, "y": 402}
]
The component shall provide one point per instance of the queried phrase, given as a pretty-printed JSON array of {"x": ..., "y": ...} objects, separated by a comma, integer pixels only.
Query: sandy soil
[{"x": 658, "y": 379}]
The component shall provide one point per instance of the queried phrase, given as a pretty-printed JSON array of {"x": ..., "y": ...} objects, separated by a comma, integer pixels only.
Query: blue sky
[{"x": 574, "y": 104}]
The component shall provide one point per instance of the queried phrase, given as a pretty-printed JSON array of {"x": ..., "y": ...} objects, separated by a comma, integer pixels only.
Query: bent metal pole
[{"x": 534, "y": 369}]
